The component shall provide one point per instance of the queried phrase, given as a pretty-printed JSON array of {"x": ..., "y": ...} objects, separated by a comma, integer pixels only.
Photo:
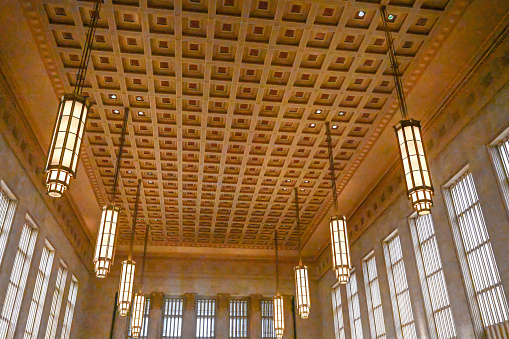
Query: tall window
[
  {"x": 352, "y": 293},
  {"x": 337, "y": 311},
  {"x": 39, "y": 296},
  {"x": 56, "y": 302},
  {"x": 17, "y": 282},
  {"x": 499, "y": 152},
  {"x": 238, "y": 318},
  {"x": 172, "y": 318},
  {"x": 431, "y": 274},
  {"x": 7, "y": 208},
  {"x": 476, "y": 254},
  {"x": 69, "y": 308},
  {"x": 144, "y": 326},
  {"x": 400, "y": 295},
  {"x": 268, "y": 319},
  {"x": 206, "y": 314},
  {"x": 376, "y": 315}
]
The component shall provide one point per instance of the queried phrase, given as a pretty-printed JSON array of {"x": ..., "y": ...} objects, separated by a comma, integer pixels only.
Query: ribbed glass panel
[
  {"x": 431, "y": 273},
  {"x": 172, "y": 318},
  {"x": 376, "y": 315},
  {"x": 268, "y": 319},
  {"x": 69, "y": 309},
  {"x": 400, "y": 295},
  {"x": 17, "y": 281},
  {"x": 39, "y": 296},
  {"x": 337, "y": 311},
  {"x": 238, "y": 318},
  {"x": 354, "y": 308},
  {"x": 479, "y": 253},
  {"x": 7, "y": 209},
  {"x": 206, "y": 316},
  {"x": 503, "y": 148},
  {"x": 144, "y": 326},
  {"x": 56, "y": 303}
]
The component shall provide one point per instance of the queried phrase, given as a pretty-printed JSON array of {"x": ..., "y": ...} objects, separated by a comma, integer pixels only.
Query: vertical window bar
[
  {"x": 238, "y": 318},
  {"x": 376, "y": 316},
  {"x": 431, "y": 274},
  {"x": 56, "y": 302},
  {"x": 69, "y": 309},
  {"x": 205, "y": 322},
  {"x": 400, "y": 295},
  {"x": 7, "y": 209},
  {"x": 268, "y": 319},
  {"x": 144, "y": 326},
  {"x": 17, "y": 281},
  {"x": 39, "y": 294},
  {"x": 354, "y": 309},
  {"x": 337, "y": 311},
  {"x": 487, "y": 286},
  {"x": 172, "y": 318}
]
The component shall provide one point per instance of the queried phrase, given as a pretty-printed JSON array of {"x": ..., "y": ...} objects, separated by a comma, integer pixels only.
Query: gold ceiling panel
[{"x": 229, "y": 100}]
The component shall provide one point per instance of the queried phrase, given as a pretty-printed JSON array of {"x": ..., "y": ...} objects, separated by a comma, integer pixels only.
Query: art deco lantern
[
  {"x": 69, "y": 127},
  {"x": 408, "y": 131},
  {"x": 106, "y": 237},
  {"x": 341, "y": 262},
  {"x": 279, "y": 313},
  {"x": 137, "y": 314},
  {"x": 125, "y": 288},
  {"x": 301, "y": 273}
]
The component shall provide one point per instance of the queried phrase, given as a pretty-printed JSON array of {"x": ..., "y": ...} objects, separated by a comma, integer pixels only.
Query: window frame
[
  {"x": 353, "y": 300},
  {"x": 267, "y": 333},
  {"x": 497, "y": 162},
  {"x": 240, "y": 301},
  {"x": 337, "y": 312},
  {"x": 171, "y": 319},
  {"x": 213, "y": 317},
  {"x": 368, "y": 283},
  {"x": 6, "y": 224},
  {"x": 70, "y": 305},
  {"x": 56, "y": 301}
]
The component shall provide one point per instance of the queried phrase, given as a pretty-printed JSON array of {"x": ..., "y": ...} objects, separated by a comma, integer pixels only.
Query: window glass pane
[
  {"x": 337, "y": 310},
  {"x": 354, "y": 309},
  {"x": 268, "y": 319},
  {"x": 69, "y": 309},
  {"x": 144, "y": 326},
  {"x": 503, "y": 148},
  {"x": 205, "y": 322},
  {"x": 432, "y": 277},
  {"x": 478, "y": 252},
  {"x": 376, "y": 316},
  {"x": 400, "y": 295},
  {"x": 56, "y": 302},
  {"x": 172, "y": 318},
  {"x": 17, "y": 281},
  {"x": 7, "y": 209},
  {"x": 39, "y": 295},
  {"x": 238, "y": 319}
]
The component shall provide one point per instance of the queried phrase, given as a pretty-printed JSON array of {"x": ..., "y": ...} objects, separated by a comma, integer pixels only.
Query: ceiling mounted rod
[
  {"x": 277, "y": 264},
  {"x": 297, "y": 213},
  {"x": 394, "y": 64},
  {"x": 120, "y": 152},
  {"x": 133, "y": 231},
  {"x": 87, "y": 50},
  {"x": 332, "y": 169},
  {"x": 147, "y": 230}
]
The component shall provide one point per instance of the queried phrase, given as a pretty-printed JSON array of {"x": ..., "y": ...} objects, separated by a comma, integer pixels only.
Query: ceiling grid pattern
[{"x": 228, "y": 103}]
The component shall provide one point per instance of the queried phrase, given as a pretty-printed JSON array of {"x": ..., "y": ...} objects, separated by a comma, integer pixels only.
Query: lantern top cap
[
  {"x": 77, "y": 97},
  {"x": 407, "y": 122},
  {"x": 338, "y": 217},
  {"x": 300, "y": 267}
]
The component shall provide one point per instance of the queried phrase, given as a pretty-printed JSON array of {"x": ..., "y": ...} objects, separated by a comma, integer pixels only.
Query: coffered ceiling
[{"x": 229, "y": 101}]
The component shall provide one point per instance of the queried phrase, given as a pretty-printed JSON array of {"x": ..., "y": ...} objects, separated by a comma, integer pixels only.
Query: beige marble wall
[{"x": 457, "y": 136}]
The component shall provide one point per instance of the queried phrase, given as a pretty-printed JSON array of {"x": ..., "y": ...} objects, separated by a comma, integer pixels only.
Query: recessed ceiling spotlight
[
  {"x": 140, "y": 113},
  {"x": 302, "y": 189},
  {"x": 138, "y": 98},
  {"x": 150, "y": 173},
  {"x": 318, "y": 111},
  {"x": 116, "y": 111},
  {"x": 288, "y": 180},
  {"x": 306, "y": 181},
  {"x": 150, "y": 182},
  {"x": 129, "y": 172},
  {"x": 285, "y": 189},
  {"x": 361, "y": 14},
  {"x": 312, "y": 125},
  {"x": 342, "y": 113},
  {"x": 391, "y": 17},
  {"x": 113, "y": 96},
  {"x": 334, "y": 126}
]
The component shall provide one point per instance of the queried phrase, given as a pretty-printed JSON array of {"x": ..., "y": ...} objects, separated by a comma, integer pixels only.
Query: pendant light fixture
[
  {"x": 408, "y": 131},
  {"x": 341, "y": 262},
  {"x": 301, "y": 272},
  {"x": 106, "y": 237},
  {"x": 125, "y": 288},
  {"x": 138, "y": 310},
  {"x": 279, "y": 313},
  {"x": 69, "y": 127}
]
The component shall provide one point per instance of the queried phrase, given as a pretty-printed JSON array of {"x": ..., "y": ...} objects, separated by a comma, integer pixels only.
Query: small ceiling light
[
  {"x": 150, "y": 173},
  {"x": 390, "y": 17},
  {"x": 342, "y": 113},
  {"x": 288, "y": 180},
  {"x": 150, "y": 182},
  {"x": 140, "y": 113},
  {"x": 334, "y": 126},
  {"x": 302, "y": 189},
  {"x": 285, "y": 189},
  {"x": 138, "y": 98},
  {"x": 116, "y": 111},
  {"x": 306, "y": 181},
  {"x": 113, "y": 96},
  {"x": 312, "y": 125},
  {"x": 129, "y": 172},
  {"x": 318, "y": 111},
  {"x": 361, "y": 14}
]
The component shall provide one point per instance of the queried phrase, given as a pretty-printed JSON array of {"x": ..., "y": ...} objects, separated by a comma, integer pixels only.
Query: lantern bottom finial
[
  {"x": 422, "y": 200},
  {"x": 102, "y": 268},
  {"x": 57, "y": 182}
]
